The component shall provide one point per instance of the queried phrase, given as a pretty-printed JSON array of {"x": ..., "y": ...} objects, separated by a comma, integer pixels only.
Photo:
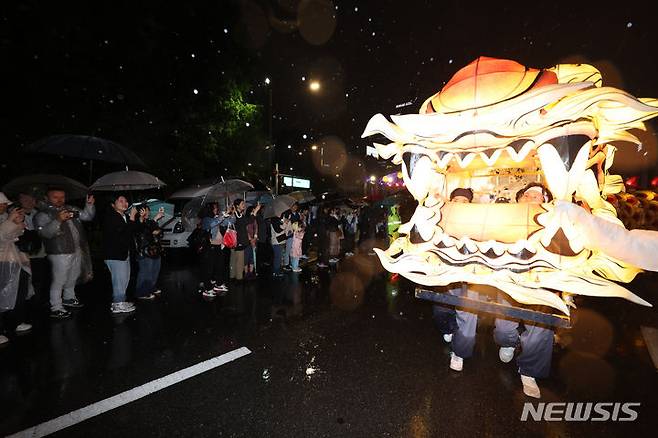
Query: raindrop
[
  {"x": 629, "y": 25},
  {"x": 195, "y": 91},
  {"x": 266, "y": 374}
]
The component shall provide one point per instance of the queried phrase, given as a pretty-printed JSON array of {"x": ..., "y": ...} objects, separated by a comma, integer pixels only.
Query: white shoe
[
  {"x": 209, "y": 293},
  {"x": 530, "y": 387},
  {"x": 122, "y": 307},
  {"x": 506, "y": 354},
  {"x": 3, "y": 339},
  {"x": 447, "y": 338},
  {"x": 297, "y": 270},
  {"x": 456, "y": 362},
  {"x": 23, "y": 327}
]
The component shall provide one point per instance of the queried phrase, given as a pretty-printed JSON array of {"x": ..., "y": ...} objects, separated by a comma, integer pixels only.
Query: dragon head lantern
[{"x": 494, "y": 127}]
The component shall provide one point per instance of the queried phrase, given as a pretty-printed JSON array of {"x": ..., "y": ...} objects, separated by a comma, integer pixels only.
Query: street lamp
[
  {"x": 314, "y": 86},
  {"x": 272, "y": 152}
]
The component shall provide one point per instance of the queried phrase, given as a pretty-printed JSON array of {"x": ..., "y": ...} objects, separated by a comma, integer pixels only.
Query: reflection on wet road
[{"x": 340, "y": 352}]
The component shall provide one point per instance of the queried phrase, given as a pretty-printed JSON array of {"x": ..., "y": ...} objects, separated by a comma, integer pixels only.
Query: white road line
[{"x": 131, "y": 395}]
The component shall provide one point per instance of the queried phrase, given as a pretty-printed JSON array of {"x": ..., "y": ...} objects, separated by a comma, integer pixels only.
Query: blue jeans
[
  {"x": 147, "y": 275},
  {"x": 276, "y": 258},
  {"x": 286, "y": 255},
  {"x": 120, "y": 270},
  {"x": 294, "y": 262}
]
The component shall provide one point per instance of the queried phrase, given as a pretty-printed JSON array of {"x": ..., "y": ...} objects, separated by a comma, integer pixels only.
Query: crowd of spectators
[{"x": 45, "y": 252}]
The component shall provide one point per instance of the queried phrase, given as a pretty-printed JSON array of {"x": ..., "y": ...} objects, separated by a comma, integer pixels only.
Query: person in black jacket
[
  {"x": 148, "y": 251},
  {"x": 117, "y": 243}
]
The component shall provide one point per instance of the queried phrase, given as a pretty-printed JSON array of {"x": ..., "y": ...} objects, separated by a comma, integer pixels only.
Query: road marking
[{"x": 131, "y": 395}]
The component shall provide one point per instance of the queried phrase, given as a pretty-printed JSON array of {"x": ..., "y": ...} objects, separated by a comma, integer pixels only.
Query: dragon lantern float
[{"x": 495, "y": 126}]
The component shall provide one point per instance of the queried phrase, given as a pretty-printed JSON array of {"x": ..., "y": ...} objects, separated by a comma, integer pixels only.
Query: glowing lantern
[{"x": 495, "y": 126}]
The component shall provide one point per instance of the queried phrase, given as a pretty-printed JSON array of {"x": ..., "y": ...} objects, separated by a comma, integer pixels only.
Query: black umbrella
[
  {"x": 37, "y": 184},
  {"x": 87, "y": 148}
]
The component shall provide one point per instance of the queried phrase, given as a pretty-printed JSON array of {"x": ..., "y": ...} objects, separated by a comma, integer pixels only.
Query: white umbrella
[
  {"x": 224, "y": 189},
  {"x": 126, "y": 180}
]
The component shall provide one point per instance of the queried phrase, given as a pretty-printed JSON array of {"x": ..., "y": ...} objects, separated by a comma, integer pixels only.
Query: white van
[{"x": 175, "y": 230}]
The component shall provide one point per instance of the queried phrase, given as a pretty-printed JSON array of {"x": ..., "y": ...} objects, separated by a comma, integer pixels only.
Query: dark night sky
[{"x": 90, "y": 67}]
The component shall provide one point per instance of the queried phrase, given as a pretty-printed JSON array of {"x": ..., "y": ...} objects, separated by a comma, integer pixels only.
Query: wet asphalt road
[{"x": 345, "y": 352}]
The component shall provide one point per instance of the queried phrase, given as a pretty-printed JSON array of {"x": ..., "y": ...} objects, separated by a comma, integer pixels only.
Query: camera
[{"x": 74, "y": 214}]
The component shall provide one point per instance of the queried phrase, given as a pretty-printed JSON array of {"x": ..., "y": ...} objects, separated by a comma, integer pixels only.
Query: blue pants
[
  {"x": 286, "y": 255},
  {"x": 276, "y": 258},
  {"x": 460, "y": 323},
  {"x": 294, "y": 262},
  {"x": 147, "y": 275},
  {"x": 463, "y": 339},
  {"x": 536, "y": 343},
  {"x": 120, "y": 271}
]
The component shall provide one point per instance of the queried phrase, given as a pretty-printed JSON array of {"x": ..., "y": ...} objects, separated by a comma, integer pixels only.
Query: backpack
[{"x": 199, "y": 240}]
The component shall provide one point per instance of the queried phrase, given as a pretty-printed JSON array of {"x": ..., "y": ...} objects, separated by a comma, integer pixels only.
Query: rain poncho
[{"x": 11, "y": 263}]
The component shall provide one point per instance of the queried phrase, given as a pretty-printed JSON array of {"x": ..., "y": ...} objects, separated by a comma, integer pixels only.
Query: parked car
[{"x": 176, "y": 230}]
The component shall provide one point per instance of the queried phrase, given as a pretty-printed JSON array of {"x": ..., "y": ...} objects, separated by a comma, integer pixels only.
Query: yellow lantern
[{"x": 495, "y": 127}]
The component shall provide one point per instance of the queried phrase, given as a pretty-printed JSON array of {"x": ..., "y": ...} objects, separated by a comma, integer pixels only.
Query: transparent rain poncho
[{"x": 11, "y": 263}]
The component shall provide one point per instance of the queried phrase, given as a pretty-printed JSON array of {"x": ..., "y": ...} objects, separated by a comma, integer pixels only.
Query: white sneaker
[
  {"x": 530, "y": 387},
  {"x": 23, "y": 327},
  {"x": 223, "y": 288},
  {"x": 3, "y": 339},
  {"x": 209, "y": 293},
  {"x": 122, "y": 307},
  {"x": 297, "y": 270},
  {"x": 506, "y": 354},
  {"x": 447, "y": 338},
  {"x": 456, "y": 362}
]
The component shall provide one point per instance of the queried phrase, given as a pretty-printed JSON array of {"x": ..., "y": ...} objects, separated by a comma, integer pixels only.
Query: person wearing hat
[
  {"x": 535, "y": 341},
  {"x": 64, "y": 237},
  {"x": 458, "y": 327}
]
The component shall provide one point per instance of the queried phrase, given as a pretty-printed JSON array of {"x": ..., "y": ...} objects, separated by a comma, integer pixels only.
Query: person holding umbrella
[
  {"x": 60, "y": 227},
  {"x": 117, "y": 242}
]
